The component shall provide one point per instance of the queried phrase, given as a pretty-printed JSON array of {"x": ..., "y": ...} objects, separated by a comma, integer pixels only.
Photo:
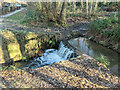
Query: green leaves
[
  {"x": 3, "y": 68},
  {"x": 103, "y": 59},
  {"x": 11, "y": 67},
  {"x": 107, "y": 27},
  {"x": 108, "y": 33},
  {"x": 51, "y": 42},
  {"x": 90, "y": 37}
]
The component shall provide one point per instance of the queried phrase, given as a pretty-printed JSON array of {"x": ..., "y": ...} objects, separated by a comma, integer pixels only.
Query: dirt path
[
  {"x": 2, "y": 17},
  {"x": 12, "y": 13}
]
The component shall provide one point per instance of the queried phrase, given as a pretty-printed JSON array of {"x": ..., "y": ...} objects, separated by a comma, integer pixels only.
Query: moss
[
  {"x": 31, "y": 35},
  {"x": 14, "y": 51},
  {"x": 17, "y": 45}
]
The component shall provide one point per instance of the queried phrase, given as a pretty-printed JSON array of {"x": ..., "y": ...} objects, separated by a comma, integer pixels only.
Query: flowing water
[
  {"x": 95, "y": 50},
  {"x": 51, "y": 56}
]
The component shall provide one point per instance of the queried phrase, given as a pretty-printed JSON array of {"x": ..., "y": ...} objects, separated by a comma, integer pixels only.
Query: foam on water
[{"x": 51, "y": 56}]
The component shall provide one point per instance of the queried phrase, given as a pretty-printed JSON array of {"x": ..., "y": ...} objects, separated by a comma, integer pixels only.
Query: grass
[
  {"x": 11, "y": 67},
  {"x": 18, "y": 17}
]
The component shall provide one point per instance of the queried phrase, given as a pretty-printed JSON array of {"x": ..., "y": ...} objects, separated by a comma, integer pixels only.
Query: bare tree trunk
[
  {"x": 87, "y": 6},
  {"x": 59, "y": 6},
  {"x": 63, "y": 13},
  {"x": 91, "y": 7},
  {"x": 49, "y": 11},
  {"x": 82, "y": 5},
  {"x": 63, "y": 7},
  {"x": 74, "y": 7},
  {"x": 54, "y": 10},
  {"x": 96, "y": 5}
]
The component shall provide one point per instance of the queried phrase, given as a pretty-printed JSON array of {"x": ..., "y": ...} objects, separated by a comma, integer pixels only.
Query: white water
[{"x": 51, "y": 56}]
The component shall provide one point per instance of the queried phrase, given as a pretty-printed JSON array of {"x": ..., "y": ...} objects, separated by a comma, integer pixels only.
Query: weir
[{"x": 51, "y": 56}]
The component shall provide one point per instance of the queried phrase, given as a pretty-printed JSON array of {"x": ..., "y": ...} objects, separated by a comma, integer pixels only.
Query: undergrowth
[
  {"x": 104, "y": 60},
  {"x": 108, "y": 27},
  {"x": 11, "y": 67}
]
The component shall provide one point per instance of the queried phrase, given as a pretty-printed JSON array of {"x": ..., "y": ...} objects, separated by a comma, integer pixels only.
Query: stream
[
  {"x": 86, "y": 46},
  {"x": 51, "y": 56},
  {"x": 95, "y": 50}
]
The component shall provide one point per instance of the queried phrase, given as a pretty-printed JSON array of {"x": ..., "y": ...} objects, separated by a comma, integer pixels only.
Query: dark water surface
[{"x": 95, "y": 50}]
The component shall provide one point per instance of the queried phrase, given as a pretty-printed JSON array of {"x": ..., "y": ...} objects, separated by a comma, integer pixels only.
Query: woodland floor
[{"x": 80, "y": 72}]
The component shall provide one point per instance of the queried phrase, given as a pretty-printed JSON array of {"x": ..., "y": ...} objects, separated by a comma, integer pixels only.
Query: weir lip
[{"x": 52, "y": 56}]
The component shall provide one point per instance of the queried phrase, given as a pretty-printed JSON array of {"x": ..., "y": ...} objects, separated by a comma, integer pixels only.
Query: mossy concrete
[{"x": 19, "y": 45}]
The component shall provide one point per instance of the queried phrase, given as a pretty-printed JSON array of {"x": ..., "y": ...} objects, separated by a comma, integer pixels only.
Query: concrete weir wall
[{"x": 19, "y": 45}]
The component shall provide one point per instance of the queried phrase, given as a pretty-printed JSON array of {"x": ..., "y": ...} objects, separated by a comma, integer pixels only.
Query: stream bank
[
  {"x": 97, "y": 51},
  {"x": 97, "y": 39}
]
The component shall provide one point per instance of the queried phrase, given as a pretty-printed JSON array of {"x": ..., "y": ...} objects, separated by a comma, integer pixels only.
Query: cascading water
[{"x": 51, "y": 56}]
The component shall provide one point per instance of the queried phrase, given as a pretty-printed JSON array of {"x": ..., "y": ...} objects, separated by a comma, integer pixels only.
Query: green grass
[
  {"x": 11, "y": 67},
  {"x": 18, "y": 17}
]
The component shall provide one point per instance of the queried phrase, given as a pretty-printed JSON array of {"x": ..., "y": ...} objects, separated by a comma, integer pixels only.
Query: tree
[
  {"x": 91, "y": 7},
  {"x": 87, "y": 6},
  {"x": 63, "y": 13},
  {"x": 82, "y": 6},
  {"x": 49, "y": 12},
  {"x": 96, "y": 5}
]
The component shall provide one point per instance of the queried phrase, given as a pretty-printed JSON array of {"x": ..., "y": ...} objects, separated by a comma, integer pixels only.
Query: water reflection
[{"x": 95, "y": 50}]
